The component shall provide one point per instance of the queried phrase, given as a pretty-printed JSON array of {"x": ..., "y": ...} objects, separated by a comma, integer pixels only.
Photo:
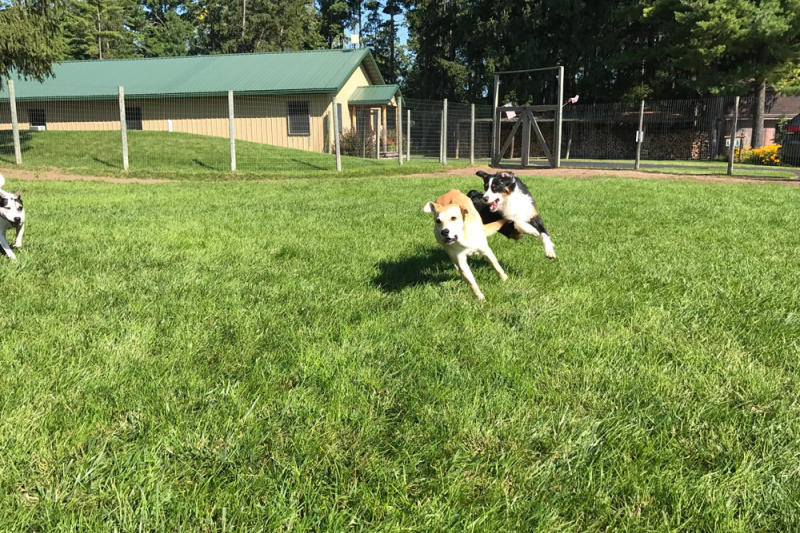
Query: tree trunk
[
  {"x": 758, "y": 114},
  {"x": 99, "y": 38}
]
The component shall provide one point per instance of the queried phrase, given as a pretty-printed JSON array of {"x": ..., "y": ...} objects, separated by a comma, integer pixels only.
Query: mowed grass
[
  {"x": 301, "y": 356},
  {"x": 184, "y": 156}
]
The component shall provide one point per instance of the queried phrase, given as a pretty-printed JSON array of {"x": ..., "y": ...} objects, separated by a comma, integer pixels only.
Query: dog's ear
[
  {"x": 430, "y": 207},
  {"x": 18, "y": 194},
  {"x": 482, "y": 174},
  {"x": 465, "y": 213}
]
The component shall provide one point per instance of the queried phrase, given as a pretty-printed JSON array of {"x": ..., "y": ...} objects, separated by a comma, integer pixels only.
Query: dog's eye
[
  {"x": 452, "y": 218},
  {"x": 438, "y": 221}
]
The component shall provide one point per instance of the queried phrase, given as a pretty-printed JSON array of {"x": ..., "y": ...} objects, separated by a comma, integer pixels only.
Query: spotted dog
[
  {"x": 12, "y": 215},
  {"x": 506, "y": 195},
  {"x": 460, "y": 231}
]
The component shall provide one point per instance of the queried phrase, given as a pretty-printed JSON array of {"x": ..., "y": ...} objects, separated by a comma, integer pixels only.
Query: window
[
  {"x": 299, "y": 118},
  {"x": 133, "y": 117},
  {"x": 339, "y": 114},
  {"x": 36, "y": 117}
]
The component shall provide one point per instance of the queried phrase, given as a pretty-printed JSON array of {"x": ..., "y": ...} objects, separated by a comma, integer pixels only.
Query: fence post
[
  {"x": 12, "y": 102},
  {"x": 123, "y": 128},
  {"x": 496, "y": 121},
  {"x": 639, "y": 137},
  {"x": 441, "y": 129},
  {"x": 398, "y": 137},
  {"x": 444, "y": 133},
  {"x": 559, "y": 115},
  {"x": 336, "y": 135},
  {"x": 377, "y": 120},
  {"x": 733, "y": 136},
  {"x": 384, "y": 128},
  {"x": 408, "y": 136},
  {"x": 472, "y": 135},
  {"x": 231, "y": 131}
]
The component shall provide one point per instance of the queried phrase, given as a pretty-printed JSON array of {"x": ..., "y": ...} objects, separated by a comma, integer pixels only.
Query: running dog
[
  {"x": 12, "y": 215},
  {"x": 506, "y": 195},
  {"x": 460, "y": 231}
]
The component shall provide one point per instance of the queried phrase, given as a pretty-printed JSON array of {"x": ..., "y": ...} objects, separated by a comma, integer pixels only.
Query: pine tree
[
  {"x": 30, "y": 39},
  {"x": 334, "y": 17}
]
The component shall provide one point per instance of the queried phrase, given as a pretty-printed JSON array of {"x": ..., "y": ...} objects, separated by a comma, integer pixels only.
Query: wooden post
[
  {"x": 733, "y": 136},
  {"x": 444, "y": 133},
  {"x": 559, "y": 114},
  {"x": 525, "y": 148},
  {"x": 639, "y": 137},
  {"x": 232, "y": 131},
  {"x": 123, "y": 128},
  {"x": 472, "y": 135},
  {"x": 408, "y": 136},
  {"x": 385, "y": 124},
  {"x": 336, "y": 135},
  {"x": 496, "y": 121},
  {"x": 12, "y": 102},
  {"x": 376, "y": 121},
  {"x": 398, "y": 136}
]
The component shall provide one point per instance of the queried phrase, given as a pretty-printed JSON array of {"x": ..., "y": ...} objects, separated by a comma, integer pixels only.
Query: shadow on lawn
[{"x": 430, "y": 266}]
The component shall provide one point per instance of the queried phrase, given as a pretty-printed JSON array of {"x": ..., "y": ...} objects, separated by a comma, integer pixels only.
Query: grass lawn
[
  {"x": 760, "y": 172},
  {"x": 185, "y": 156},
  {"x": 301, "y": 356},
  {"x": 715, "y": 167}
]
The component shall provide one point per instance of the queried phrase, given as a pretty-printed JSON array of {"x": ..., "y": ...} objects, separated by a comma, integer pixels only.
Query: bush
[
  {"x": 768, "y": 155},
  {"x": 352, "y": 143}
]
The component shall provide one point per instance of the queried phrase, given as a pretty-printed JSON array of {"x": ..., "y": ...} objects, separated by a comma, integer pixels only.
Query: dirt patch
[
  {"x": 589, "y": 173},
  {"x": 54, "y": 174}
]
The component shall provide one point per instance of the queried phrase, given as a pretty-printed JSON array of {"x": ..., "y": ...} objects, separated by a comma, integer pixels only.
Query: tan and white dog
[
  {"x": 460, "y": 231},
  {"x": 12, "y": 215}
]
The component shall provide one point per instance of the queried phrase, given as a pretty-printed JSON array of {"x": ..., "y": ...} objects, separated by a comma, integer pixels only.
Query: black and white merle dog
[
  {"x": 507, "y": 196},
  {"x": 12, "y": 215}
]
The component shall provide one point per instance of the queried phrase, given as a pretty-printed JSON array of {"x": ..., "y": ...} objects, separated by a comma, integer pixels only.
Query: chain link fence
[{"x": 296, "y": 133}]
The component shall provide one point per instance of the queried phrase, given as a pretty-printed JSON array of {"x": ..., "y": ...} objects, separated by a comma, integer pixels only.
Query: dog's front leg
[
  {"x": 463, "y": 267},
  {"x": 493, "y": 260},
  {"x": 539, "y": 232},
  {"x": 18, "y": 240},
  {"x": 524, "y": 227},
  {"x": 6, "y": 248}
]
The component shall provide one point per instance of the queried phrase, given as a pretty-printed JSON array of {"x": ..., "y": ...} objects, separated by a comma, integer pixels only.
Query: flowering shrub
[{"x": 767, "y": 155}]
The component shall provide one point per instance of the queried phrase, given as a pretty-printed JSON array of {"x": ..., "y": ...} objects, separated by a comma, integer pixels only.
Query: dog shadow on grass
[{"x": 432, "y": 265}]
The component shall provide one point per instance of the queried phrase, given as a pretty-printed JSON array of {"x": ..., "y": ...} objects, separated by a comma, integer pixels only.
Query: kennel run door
[{"x": 526, "y": 120}]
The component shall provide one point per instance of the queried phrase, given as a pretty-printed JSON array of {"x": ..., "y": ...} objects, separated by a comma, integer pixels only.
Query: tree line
[{"x": 612, "y": 50}]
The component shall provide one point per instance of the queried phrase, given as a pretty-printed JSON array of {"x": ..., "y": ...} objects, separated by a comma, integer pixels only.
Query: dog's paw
[
  {"x": 550, "y": 254},
  {"x": 504, "y": 276}
]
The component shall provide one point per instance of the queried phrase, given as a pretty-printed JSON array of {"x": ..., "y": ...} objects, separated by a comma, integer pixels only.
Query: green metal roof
[
  {"x": 316, "y": 71},
  {"x": 373, "y": 95}
]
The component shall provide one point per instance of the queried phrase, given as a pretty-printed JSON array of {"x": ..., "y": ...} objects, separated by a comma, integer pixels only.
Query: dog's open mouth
[
  {"x": 449, "y": 240},
  {"x": 493, "y": 206}
]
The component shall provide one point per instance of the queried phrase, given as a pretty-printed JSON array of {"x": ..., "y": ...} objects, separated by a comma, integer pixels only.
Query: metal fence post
[
  {"x": 123, "y": 128},
  {"x": 408, "y": 135},
  {"x": 496, "y": 122},
  {"x": 559, "y": 115},
  {"x": 441, "y": 130},
  {"x": 733, "y": 136},
  {"x": 336, "y": 135},
  {"x": 444, "y": 133},
  {"x": 398, "y": 141},
  {"x": 639, "y": 137},
  {"x": 231, "y": 131},
  {"x": 12, "y": 102},
  {"x": 472, "y": 135}
]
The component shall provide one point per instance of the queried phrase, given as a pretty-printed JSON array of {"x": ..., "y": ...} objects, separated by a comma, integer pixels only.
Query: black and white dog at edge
[
  {"x": 505, "y": 195},
  {"x": 12, "y": 215}
]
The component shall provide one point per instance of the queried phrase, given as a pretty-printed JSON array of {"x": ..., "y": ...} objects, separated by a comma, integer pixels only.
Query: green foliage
[
  {"x": 30, "y": 40},
  {"x": 353, "y": 143}
]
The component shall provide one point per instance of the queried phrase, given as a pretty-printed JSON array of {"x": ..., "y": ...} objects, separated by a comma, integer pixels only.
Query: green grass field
[
  {"x": 184, "y": 156},
  {"x": 301, "y": 356},
  {"x": 715, "y": 167}
]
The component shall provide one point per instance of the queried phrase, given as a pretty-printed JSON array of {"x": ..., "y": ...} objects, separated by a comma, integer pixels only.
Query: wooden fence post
[
  {"x": 336, "y": 135},
  {"x": 639, "y": 137},
  {"x": 472, "y": 135},
  {"x": 232, "y": 131},
  {"x": 377, "y": 122},
  {"x": 733, "y": 136},
  {"x": 398, "y": 138},
  {"x": 12, "y": 102},
  {"x": 123, "y": 128}
]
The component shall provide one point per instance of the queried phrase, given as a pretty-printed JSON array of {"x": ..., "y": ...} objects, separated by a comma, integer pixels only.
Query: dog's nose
[
  {"x": 445, "y": 232},
  {"x": 17, "y": 220}
]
